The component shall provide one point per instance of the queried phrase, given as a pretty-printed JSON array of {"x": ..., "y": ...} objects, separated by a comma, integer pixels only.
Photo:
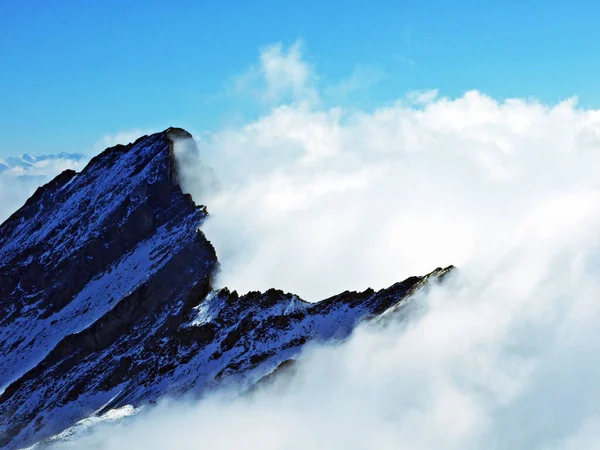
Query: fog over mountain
[{"x": 317, "y": 200}]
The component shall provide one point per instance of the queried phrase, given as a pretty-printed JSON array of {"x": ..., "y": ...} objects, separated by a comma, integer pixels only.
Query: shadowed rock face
[{"x": 106, "y": 299}]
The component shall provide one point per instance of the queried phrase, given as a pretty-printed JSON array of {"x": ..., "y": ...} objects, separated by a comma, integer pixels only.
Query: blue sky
[{"x": 75, "y": 71}]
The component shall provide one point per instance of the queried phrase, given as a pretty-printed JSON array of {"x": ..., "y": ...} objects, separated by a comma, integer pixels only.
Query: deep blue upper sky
[{"x": 73, "y": 71}]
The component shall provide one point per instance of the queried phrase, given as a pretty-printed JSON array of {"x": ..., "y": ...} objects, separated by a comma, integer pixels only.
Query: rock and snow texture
[{"x": 106, "y": 299}]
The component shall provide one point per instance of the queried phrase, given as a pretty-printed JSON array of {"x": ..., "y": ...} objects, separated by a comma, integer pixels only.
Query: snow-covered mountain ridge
[{"x": 106, "y": 299}]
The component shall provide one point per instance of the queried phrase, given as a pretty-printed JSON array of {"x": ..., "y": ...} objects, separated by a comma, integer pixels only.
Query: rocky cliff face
[{"x": 106, "y": 299}]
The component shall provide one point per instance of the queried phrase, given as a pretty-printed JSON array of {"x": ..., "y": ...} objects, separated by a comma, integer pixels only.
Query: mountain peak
[{"x": 177, "y": 133}]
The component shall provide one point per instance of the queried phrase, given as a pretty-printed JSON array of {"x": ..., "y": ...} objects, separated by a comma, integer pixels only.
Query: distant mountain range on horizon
[{"x": 28, "y": 161}]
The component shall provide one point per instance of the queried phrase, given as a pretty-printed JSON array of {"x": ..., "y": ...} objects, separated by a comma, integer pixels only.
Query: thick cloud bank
[
  {"x": 317, "y": 200},
  {"x": 507, "y": 361}
]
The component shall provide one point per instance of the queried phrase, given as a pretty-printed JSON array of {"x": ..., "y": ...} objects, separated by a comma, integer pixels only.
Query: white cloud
[
  {"x": 362, "y": 78},
  {"x": 423, "y": 97},
  {"x": 282, "y": 75},
  {"x": 507, "y": 360},
  {"x": 319, "y": 200}
]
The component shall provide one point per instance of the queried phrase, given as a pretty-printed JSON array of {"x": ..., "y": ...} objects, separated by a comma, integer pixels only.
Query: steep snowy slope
[{"x": 106, "y": 299}]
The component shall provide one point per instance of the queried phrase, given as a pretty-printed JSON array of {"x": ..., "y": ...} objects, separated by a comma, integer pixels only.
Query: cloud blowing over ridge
[{"x": 316, "y": 200}]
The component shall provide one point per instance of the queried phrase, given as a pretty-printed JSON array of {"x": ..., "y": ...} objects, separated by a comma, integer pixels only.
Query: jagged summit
[
  {"x": 177, "y": 133},
  {"x": 106, "y": 299}
]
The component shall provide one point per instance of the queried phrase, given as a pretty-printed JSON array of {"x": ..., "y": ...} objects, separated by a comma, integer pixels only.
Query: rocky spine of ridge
[{"x": 106, "y": 299}]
